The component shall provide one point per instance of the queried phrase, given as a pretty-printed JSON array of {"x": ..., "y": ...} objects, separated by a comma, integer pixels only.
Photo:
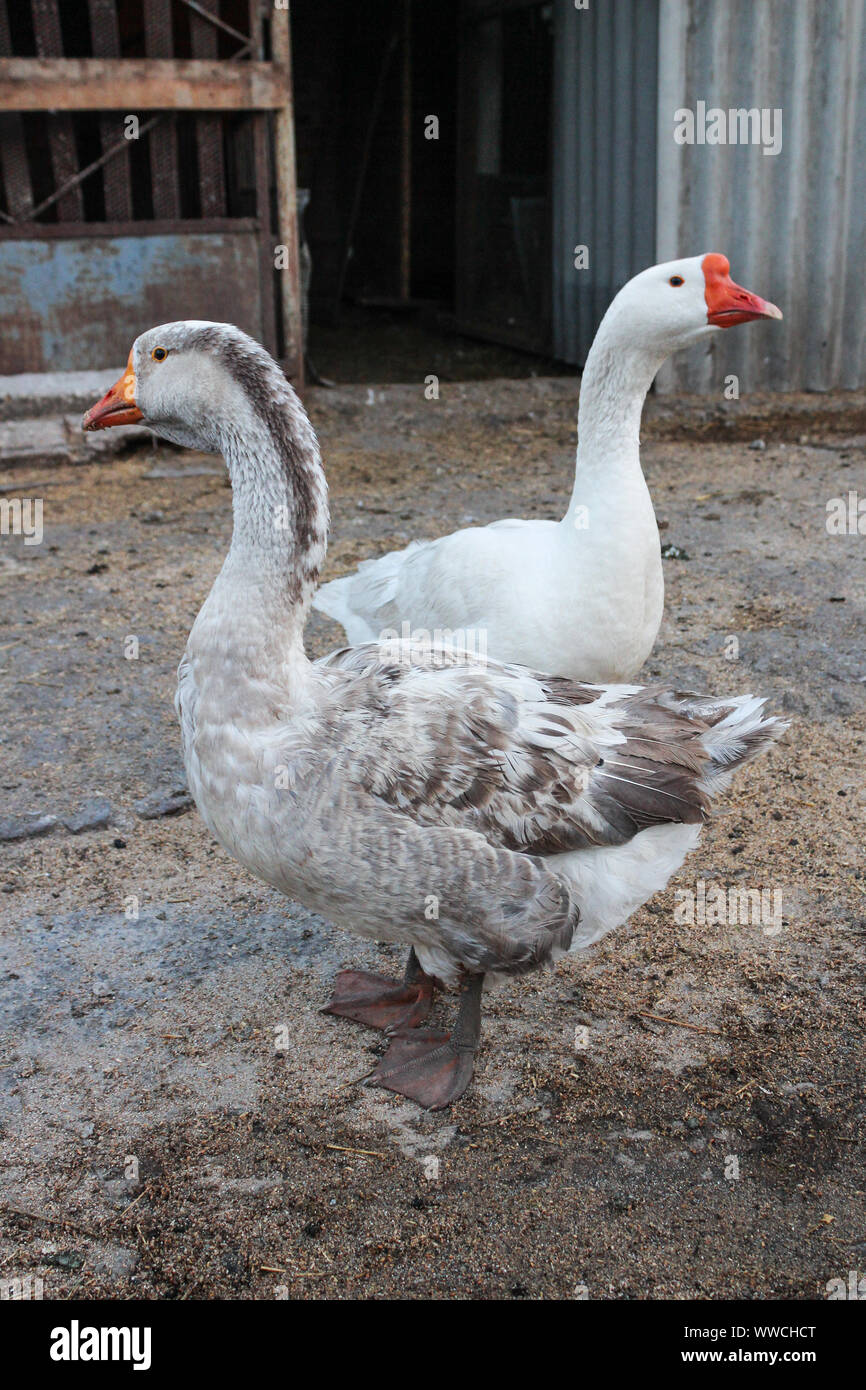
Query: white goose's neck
[{"x": 613, "y": 388}]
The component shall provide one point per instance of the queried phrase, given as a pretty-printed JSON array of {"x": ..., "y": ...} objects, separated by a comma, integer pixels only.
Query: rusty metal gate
[{"x": 146, "y": 173}]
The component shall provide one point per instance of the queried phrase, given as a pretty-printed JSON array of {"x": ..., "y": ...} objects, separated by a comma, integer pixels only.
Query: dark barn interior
[
  {"x": 349, "y": 113},
  {"x": 428, "y": 180}
]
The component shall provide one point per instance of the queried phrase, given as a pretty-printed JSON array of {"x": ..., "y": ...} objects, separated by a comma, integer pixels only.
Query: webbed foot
[
  {"x": 425, "y": 1066},
  {"x": 433, "y": 1067},
  {"x": 378, "y": 1002}
]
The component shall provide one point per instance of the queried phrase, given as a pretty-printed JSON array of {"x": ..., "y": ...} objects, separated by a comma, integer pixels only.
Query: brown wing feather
[{"x": 537, "y": 764}]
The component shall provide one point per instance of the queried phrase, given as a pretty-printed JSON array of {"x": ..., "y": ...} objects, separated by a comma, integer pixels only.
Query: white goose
[
  {"x": 490, "y": 818},
  {"x": 582, "y": 596}
]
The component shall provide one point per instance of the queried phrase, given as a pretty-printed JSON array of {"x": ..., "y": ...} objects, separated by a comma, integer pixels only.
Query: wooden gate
[{"x": 139, "y": 148}]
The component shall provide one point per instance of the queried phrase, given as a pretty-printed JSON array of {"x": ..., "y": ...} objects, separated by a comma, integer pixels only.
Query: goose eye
[
  {"x": 676, "y": 280},
  {"x": 159, "y": 354}
]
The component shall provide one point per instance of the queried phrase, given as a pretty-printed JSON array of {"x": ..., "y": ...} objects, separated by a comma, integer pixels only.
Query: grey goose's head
[
  {"x": 192, "y": 381},
  {"x": 210, "y": 386}
]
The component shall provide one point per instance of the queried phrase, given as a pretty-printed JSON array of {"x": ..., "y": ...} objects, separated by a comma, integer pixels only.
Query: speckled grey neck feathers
[{"x": 280, "y": 495}]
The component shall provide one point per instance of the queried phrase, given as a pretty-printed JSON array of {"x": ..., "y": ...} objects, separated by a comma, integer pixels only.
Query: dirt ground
[{"x": 178, "y": 1118}]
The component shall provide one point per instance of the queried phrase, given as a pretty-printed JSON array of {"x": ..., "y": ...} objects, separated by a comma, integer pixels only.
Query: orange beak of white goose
[
  {"x": 727, "y": 302},
  {"x": 117, "y": 406}
]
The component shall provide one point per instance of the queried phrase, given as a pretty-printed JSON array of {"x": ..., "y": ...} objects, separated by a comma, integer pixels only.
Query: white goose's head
[
  {"x": 676, "y": 304},
  {"x": 191, "y": 381}
]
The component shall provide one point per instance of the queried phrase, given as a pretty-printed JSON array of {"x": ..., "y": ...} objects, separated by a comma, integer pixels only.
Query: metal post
[
  {"x": 406, "y": 157},
  {"x": 287, "y": 212}
]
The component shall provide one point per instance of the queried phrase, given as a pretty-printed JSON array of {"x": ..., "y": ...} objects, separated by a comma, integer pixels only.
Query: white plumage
[{"x": 582, "y": 596}]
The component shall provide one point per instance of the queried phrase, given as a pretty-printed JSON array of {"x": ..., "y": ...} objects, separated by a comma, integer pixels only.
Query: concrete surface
[{"x": 34, "y": 395}]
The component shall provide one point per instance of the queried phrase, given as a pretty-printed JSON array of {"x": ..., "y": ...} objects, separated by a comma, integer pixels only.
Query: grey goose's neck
[{"x": 279, "y": 498}]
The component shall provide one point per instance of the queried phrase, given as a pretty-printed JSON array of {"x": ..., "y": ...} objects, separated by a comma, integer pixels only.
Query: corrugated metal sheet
[
  {"x": 604, "y": 170},
  {"x": 792, "y": 224}
]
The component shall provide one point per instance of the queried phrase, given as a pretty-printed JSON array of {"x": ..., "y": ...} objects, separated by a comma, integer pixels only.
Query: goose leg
[
  {"x": 434, "y": 1068},
  {"x": 378, "y": 1002}
]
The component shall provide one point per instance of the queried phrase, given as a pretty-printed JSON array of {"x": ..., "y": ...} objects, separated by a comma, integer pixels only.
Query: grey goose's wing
[{"x": 536, "y": 764}]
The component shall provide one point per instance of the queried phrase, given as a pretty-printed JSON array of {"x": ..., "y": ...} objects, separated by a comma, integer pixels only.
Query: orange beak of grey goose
[{"x": 117, "y": 406}]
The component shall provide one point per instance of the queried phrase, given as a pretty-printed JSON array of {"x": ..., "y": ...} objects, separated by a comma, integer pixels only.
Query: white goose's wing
[
  {"x": 453, "y": 582},
  {"x": 356, "y": 601}
]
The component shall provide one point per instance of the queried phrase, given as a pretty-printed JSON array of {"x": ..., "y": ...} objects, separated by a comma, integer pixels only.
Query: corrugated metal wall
[
  {"x": 792, "y": 224},
  {"x": 604, "y": 159}
]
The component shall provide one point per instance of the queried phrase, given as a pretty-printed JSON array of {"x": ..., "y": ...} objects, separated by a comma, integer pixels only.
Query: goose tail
[
  {"x": 335, "y": 601},
  {"x": 738, "y": 729},
  {"x": 359, "y": 601}
]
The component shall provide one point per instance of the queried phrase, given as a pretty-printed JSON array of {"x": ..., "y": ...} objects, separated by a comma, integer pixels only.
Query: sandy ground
[{"x": 179, "y": 1120}]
